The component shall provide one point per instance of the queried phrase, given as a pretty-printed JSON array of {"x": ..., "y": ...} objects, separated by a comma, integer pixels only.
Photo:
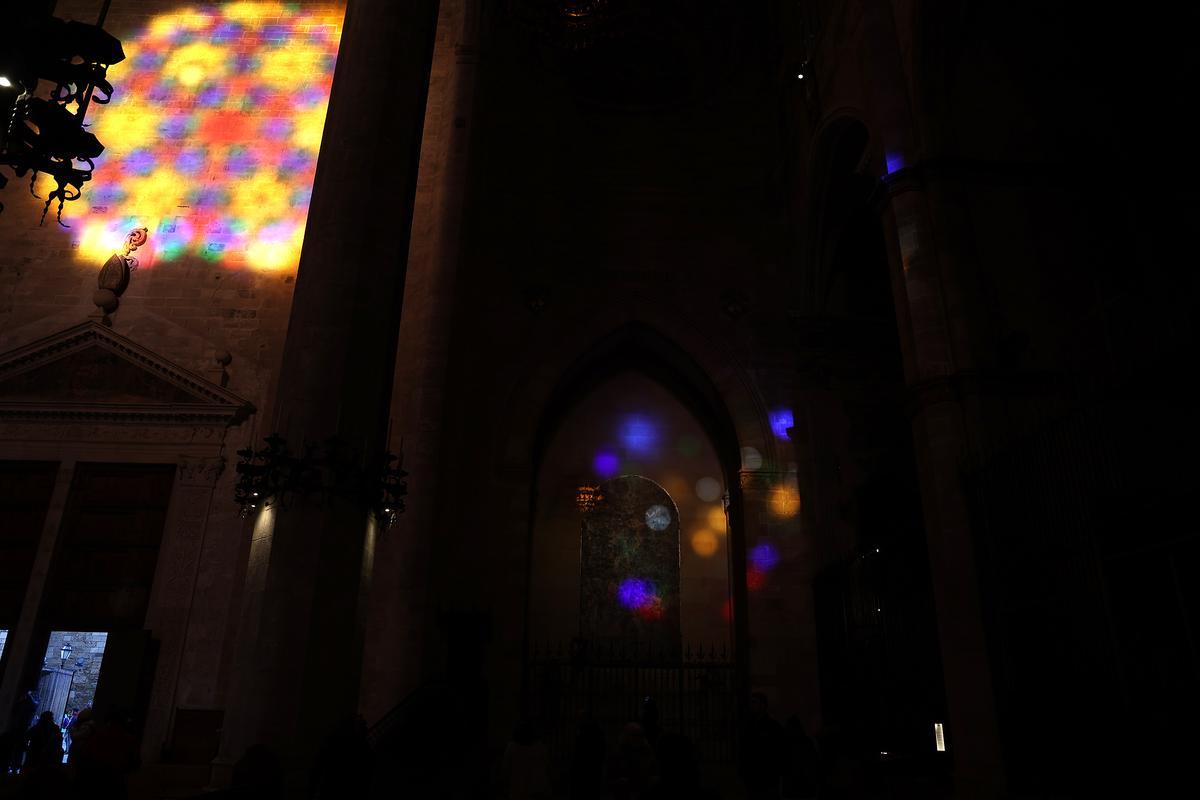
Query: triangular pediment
[{"x": 89, "y": 371}]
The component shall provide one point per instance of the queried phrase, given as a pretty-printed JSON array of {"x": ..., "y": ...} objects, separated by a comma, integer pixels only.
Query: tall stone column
[
  {"x": 935, "y": 334},
  {"x": 298, "y": 655},
  {"x": 400, "y": 623},
  {"x": 173, "y": 595},
  {"x": 941, "y": 437}
]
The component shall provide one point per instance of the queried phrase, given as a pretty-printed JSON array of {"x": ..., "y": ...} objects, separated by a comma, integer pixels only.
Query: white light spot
[
  {"x": 658, "y": 517},
  {"x": 5, "y": 82},
  {"x": 939, "y": 737},
  {"x": 751, "y": 458},
  {"x": 708, "y": 489}
]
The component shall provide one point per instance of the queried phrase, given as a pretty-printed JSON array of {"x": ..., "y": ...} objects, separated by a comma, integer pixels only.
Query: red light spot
[{"x": 755, "y": 578}]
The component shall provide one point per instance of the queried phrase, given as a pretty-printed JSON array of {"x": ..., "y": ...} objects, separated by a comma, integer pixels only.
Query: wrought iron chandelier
[
  {"x": 46, "y": 134},
  {"x": 272, "y": 475}
]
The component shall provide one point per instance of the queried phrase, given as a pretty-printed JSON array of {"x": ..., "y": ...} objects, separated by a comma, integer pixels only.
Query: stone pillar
[
  {"x": 173, "y": 594},
  {"x": 935, "y": 337},
  {"x": 21, "y": 638},
  {"x": 941, "y": 436},
  {"x": 399, "y": 651},
  {"x": 299, "y": 645}
]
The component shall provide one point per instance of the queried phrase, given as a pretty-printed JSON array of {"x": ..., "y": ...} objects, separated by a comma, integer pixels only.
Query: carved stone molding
[
  {"x": 56, "y": 430},
  {"x": 200, "y": 471},
  {"x": 761, "y": 480},
  {"x": 93, "y": 377}
]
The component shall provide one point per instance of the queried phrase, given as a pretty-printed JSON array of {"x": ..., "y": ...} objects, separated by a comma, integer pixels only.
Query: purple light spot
[
  {"x": 159, "y": 94},
  {"x": 296, "y": 161},
  {"x": 781, "y": 421},
  {"x": 191, "y": 161},
  {"x": 259, "y": 97},
  {"x": 606, "y": 464},
  {"x": 635, "y": 593},
  {"x": 308, "y": 98},
  {"x": 176, "y": 127},
  {"x": 276, "y": 128},
  {"x": 139, "y": 162},
  {"x": 212, "y": 97},
  {"x": 895, "y": 162},
  {"x": 245, "y": 62},
  {"x": 241, "y": 162},
  {"x": 276, "y": 34},
  {"x": 225, "y": 32},
  {"x": 206, "y": 197},
  {"x": 639, "y": 435},
  {"x": 764, "y": 556},
  {"x": 105, "y": 193},
  {"x": 148, "y": 60}
]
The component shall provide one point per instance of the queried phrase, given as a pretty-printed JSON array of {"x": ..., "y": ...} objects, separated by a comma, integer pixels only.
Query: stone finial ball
[{"x": 106, "y": 299}]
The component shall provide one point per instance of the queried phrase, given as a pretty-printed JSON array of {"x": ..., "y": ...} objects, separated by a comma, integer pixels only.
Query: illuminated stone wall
[
  {"x": 211, "y": 142},
  {"x": 87, "y": 654}
]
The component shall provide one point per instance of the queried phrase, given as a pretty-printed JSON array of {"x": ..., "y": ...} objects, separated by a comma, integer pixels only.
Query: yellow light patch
[
  {"x": 196, "y": 63},
  {"x": 132, "y": 124},
  {"x": 260, "y": 199},
  {"x": 784, "y": 501},
  {"x": 716, "y": 519},
  {"x": 309, "y": 126},
  {"x": 704, "y": 543}
]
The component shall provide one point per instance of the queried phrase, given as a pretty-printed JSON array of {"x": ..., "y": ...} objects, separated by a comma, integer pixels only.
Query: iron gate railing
[{"x": 695, "y": 695}]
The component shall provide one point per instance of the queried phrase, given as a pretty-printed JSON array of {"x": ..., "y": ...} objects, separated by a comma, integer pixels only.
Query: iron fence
[{"x": 694, "y": 694}]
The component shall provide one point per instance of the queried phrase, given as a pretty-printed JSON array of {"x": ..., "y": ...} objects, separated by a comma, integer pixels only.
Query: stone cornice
[{"x": 213, "y": 406}]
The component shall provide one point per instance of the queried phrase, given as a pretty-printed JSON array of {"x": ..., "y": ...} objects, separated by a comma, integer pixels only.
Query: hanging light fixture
[
  {"x": 47, "y": 134},
  {"x": 64, "y": 653}
]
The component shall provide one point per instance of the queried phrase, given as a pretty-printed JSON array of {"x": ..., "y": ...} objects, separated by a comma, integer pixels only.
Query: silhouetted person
[
  {"x": 587, "y": 762},
  {"x": 12, "y": 743},
  {"x": 800, "y": 762},
  {"x": 83, "y": 727},
  {"x": 346, "y": 762},
  {"x": 43, "y": 743},
  {"x": 109, "y": 754},
  {"x": 632, "y": 766},
  {"x": 525, "y": 769},
  {"x": 762, "y": 745}
]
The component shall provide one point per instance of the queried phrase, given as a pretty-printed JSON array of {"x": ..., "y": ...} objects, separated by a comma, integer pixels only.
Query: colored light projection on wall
[
  {"x": 782, "y": 421},
  {"x": 213, "y": 135},
  {"x": 641, "y": 597},
  {"x": 760, "y": 561}
]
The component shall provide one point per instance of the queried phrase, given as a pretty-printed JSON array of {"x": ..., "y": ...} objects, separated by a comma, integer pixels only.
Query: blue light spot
[
  {"x": 635, "y": 593},
  {"x": 606, "y": 464},
  {"x": 781, "y": 421},
  {"x": 639, "y": 435},
  {"x": 764, "y": 556},
  {"x": 895, "y": 162}
]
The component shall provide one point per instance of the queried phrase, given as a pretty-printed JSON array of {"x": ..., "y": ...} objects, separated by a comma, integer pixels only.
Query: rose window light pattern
[{"x": 213, "y": 134}]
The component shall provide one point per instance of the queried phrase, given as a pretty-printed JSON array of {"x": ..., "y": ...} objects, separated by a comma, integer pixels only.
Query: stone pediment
[{"x": 90, "y": 373}]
